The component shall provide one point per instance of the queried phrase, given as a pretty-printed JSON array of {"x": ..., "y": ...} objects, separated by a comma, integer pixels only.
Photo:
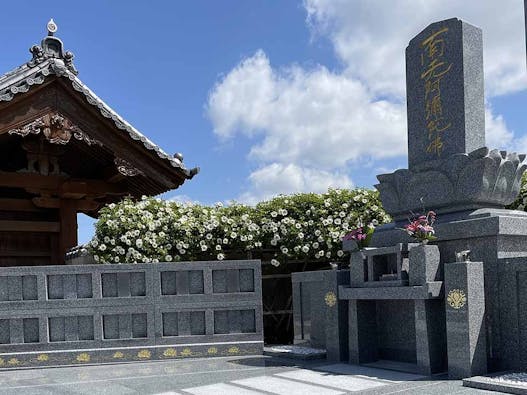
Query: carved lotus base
[{"x": 460, "y": 182}]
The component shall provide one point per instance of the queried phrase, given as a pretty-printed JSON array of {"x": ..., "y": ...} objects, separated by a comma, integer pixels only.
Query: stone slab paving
[{"x": 225, "y": 376}]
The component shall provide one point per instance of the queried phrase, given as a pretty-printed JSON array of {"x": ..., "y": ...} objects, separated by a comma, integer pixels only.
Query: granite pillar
[
  {"x": 465, "y": 317},
  {"x": 320, "y": 317}
]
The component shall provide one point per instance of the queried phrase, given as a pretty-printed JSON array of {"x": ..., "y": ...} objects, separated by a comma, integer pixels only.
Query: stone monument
[
  {"x": 453, "y": 173},
  {"x": 459, "y": 303},
  {"x": 450, "y": 169}
]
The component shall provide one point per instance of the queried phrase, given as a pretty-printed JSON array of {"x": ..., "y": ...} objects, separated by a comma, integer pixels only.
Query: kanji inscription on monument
[{"x": 445, "y": 97}]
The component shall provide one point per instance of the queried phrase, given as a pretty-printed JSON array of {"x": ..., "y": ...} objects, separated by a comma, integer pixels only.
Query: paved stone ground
[{"x": 229, "y": 376}]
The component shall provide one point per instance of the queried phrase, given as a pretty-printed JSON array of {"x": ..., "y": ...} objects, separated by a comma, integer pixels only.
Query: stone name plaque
[{"x": 445, "y": 97}]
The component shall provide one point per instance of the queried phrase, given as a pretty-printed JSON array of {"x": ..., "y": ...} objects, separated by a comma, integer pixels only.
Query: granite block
[
  {"x": 196, "y": 285},
  {"x": 363, "y": 347},
  {"x": 445, "y": 98},
  {"x": 235, "y": 325},
  {"x": 29, "y": 288},
  {"x": 139, "y": 326},
  {"x": 233, "y": 281},
  {"x": 110, "y": 326},
  {"x": 123, "y": 285},
  {"x": 5, "y": 337},
  {"x": 170, "y": 323},
  {"x": 56, "y": 329},
  {"x": 184, "y": 323},
  {"x": 16, "y": 330},
  {"x": 125, "y": 326},
  {"x": 246, "y": 280},
  {"x": 137, "y": 284},
  {"x": 4, "y": 288},
  {"x": 197, "y": 322},
  {"x": 221, "y": 321},
  {"x": 15, "y": 287},
  {"x": 31, "y": 333},
  {"x": 105, "y": 320},
  {"x": 71, "y": 329},
  {"x": 182, "y": 282},
  {"x": 85, "y": 327},
  {"x": 247, "y": 321},
  {"x": 424, "y": 265},
  {"x": 168, "y": 283},
  {"x": 219, "y": 281},
  {"x": 55, "y": 287},
  {"x": 69, "y": 284},
  {"x": 84, "y": 286},
  {"x": 109, "y": 285},
  {"x": 358, "y": 269},
  {"x": 465, "y": 318}
]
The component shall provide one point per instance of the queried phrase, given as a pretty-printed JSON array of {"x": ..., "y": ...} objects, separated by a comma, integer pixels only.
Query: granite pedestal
[
  {"x": 465, "y": 316},
  {"x": 320, "y": 317},
  {"x": 491, "y": 235}
]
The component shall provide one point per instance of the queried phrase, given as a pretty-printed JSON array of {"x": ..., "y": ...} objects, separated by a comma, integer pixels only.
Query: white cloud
[
  {"x": 370, "y": 37},
  {"x": 306, "y": 123},
  {"x": 277, "y": 178},
  {"x": 307, "y": 117},
  {"x": 497, "y": 133}
]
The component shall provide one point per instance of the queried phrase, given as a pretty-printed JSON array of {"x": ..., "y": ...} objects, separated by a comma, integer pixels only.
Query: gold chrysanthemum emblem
[
  {"x": 233, "y": 350},
  {"x": 212, "y": 350},
  {"x": 144, "y": 354},
  {"x": 13, "y": 361},
  {"x": 170, "y": 352},
  {"x": 187, "y": 352},
  {"x": 331, "y": 299},
  {"x": 83, "y": 357},
  {"x": 118, "y": 355},
  {"x": 43, "y": 358},
  {"x": 456, "y": 298}
]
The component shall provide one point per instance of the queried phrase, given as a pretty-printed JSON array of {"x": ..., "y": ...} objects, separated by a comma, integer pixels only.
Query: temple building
[{"x": 64, "y": 151}]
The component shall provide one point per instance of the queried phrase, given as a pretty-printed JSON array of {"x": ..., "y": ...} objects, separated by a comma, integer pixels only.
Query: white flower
[
  {"x": 305, "y": 249},
  {"x": 315, "y": 244},
  {"x": 218, "y": 247},
  {"x": 102, "y": 247},
  {"x": 274, "y": 214},
  {"x": 340, "y": 253},
  {"x": 284, "y": 250},
  {"x": 168, "y": 258},
  {"x": 116, "y": 259},
  {"x": 220, "y": 257},
  {"x": 275, "y": 263},
  {"x": 208, "y": 236},
  {"x": 274, "y": 242},
  {"x": 204, "y": 247},
  {"x": 233, "y": 235},
  {"x": 96, "y": 258}
]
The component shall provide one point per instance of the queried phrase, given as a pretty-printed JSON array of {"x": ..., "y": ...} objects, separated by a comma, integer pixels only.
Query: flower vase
[
  {"x": 423, "y": 265},
  {"x": 358, "y": 268}
]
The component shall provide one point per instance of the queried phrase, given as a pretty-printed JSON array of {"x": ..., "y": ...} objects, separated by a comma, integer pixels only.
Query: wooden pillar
[{"x": 68, "y": 228}]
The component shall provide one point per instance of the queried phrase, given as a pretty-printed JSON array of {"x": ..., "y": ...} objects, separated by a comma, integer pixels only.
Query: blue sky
[{"x": 269, "y": 96}]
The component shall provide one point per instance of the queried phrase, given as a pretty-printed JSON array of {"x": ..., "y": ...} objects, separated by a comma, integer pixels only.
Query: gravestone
[
  {"x": 467, "y": 184},
  {"x": 444, "y": 85},
  {"x": 450, "y": 169}
]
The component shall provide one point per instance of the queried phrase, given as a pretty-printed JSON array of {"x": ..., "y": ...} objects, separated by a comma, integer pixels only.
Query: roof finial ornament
[
  {"x": 52, "y": 27},
  {"x": 51, "y": 48}
]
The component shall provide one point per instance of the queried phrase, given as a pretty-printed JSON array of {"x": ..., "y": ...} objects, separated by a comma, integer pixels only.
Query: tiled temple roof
[{"x": 50, "y": 59}]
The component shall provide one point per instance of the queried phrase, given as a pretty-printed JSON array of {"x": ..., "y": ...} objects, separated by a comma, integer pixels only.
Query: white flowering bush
[{"x": 296, "y": 227}]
